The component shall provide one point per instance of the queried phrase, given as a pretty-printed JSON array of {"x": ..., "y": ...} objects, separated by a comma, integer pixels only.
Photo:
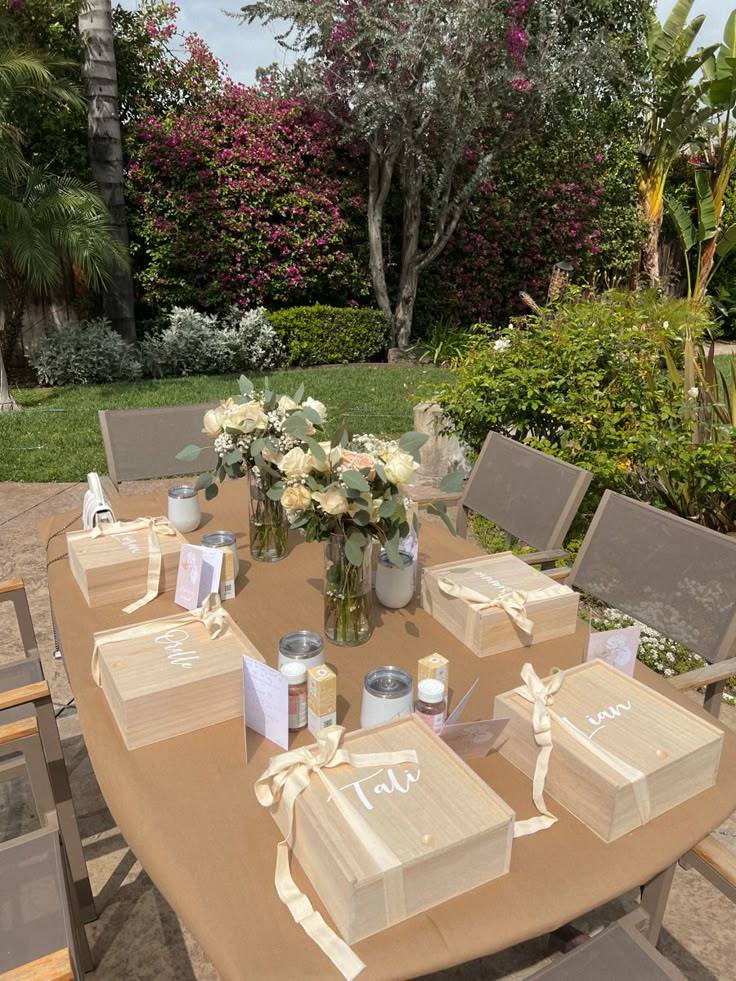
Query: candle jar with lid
[
  {"x": 184, "y": 511},
  {"x": 387, "y": 695},
  {"x": 302, "y": 647},
  {"x": 430, "y": 706},
  {"x": 395, "y": 583}
]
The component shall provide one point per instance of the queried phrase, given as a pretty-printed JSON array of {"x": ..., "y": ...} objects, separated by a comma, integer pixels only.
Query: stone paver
[{"x": 137, "y": 934}]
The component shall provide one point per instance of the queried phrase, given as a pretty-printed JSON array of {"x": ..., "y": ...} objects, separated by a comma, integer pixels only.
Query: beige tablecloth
[{"x": 187, "y": 809}]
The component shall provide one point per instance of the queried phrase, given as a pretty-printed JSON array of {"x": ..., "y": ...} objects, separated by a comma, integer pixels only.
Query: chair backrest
[
  {"x": 35, "y": 919},
  {"x": 528, "y": 494},
  {"x": 18, "y": 674},
  {"x": 143, "y": 443},
  {"x": 14, "y": 591},
  {"x": 671, "y": 574}
]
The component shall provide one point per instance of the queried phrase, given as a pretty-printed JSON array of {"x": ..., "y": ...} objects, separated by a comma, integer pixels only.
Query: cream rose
[
  {"x": 213, "y": 421},
  {"x": 331, "y": 501},
  {"x": 285, "y": 404},
  {"x": 295, "y": 463},
  {"x": 272, "y": 457},
  {"x": 318, "y": 407},
  {"x": 333, "y": 455},
  {"x": 296, "y": 498},
  {"x": 400, "y": 466},
  {"x": 246, "y": 417},
  {"x": 359, "y": 461}
]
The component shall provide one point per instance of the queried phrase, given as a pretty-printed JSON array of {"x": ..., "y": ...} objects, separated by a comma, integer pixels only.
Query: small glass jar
[
  {"x": 184, "y": 511},
  {"x": 395, "y": 584},
  {"x": 302, "y": 647},
  {"x": 223, "y": 539},
  {"x": 430, "y": 706},
  {"x": 387, "y": 695},
  {"x": 297, "y": 677}
]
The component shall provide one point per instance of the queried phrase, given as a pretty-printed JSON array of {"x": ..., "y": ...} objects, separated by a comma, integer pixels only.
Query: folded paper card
[
  {"x": 266, "y": 701},
  {"x": 611, "y": 750},
  {"x": 125, "y": 561},
  {"x": 169, "y": 676},
  {"x": 616, "y": 647},
  {"x": 198, "y": 576},
  {"x": 498, "y": 603}
]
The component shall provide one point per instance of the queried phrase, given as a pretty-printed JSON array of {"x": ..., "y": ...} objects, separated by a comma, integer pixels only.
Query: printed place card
[
  {"x": 616, "y": 647},
  {"x": 198, "y": 575},
  {"x": 471, "y": 740},
  {"x": 266, "y": 702}
]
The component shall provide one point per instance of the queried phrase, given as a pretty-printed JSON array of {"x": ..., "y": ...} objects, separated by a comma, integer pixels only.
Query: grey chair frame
[
  {"x": 158, "y": 435},
  {"x": 14, "y": 591},
  {"x": 549, "y": 547},
  {"x": 23, "y": 736}
]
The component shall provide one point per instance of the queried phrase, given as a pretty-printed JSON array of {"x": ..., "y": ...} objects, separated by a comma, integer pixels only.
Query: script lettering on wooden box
[
  {"x": 170, "y": 676},
  {"x": 622, "y": 753},
  {"x": 113, "y": 563},
  {"x": 498, "y": 603},
  {"x": 382, "y": 843}
]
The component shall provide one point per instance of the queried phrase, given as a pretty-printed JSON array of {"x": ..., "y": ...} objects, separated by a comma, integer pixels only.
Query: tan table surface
[{"x": 187, "y": 809}]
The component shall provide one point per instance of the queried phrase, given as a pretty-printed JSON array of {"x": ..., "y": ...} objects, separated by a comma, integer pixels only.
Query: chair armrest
[
  {"x": 18, "y": 730},
  {"x": 716, "y": 863},
  {"x": 708, "y": 675},
  {"x": 559, "y": 575},
  {"x": 551, "y": 555},
  {"x": 20, "y": 696},
  {"x": 52, "y": 967},
  {"x": 10, "y": 585}
]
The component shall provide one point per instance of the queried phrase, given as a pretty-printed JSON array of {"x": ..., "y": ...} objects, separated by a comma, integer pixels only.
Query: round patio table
[{"x": 188, "y": 811}]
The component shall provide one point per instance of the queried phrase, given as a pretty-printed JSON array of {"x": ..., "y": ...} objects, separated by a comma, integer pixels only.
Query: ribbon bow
[
  {"x": 513, "y": 603},
  {"x": 288, "y": 774},
  {"x": 210, "y": 613},
  {"x": 156, "y": 526}
]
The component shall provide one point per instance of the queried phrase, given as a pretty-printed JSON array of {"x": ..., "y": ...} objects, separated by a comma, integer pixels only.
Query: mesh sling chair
[
  {"x": 41, "y": 929},
  {"x": 678, "y": 578},
  {"x": 527, "y": 494}
]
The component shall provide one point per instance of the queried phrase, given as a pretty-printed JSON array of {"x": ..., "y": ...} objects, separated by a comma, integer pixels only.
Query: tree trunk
[
  {"x": 15, "y": 305},
  {"x": 380, "y": 174},
  {"x": 707, "y": 259},
  {"x": 650, "y": 251},
  {"x": 106, "y": 149},
  {"x": 651, "y": 196},
  {"x": 7, "y": 402},
  {"x": 411, "y": 187}
]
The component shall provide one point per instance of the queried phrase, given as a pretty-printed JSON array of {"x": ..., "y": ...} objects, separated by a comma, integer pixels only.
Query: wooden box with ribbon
[
  {"x": 385, "y": 822},
  {"x": 125, "y": 561},
  {"x": 173, "y": 675},
  {"x": 498, "y": 603},
  {"x": 611, "y": 750}
]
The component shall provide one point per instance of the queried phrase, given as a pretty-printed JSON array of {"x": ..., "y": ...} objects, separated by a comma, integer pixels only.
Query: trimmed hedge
[{"x": 331, "y": 335}]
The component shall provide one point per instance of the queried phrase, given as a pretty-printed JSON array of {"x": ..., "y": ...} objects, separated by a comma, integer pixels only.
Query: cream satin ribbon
[
  {"x": 210, "y": 613},
  {"x": 541, "y": 695},
  {"x": 288, "y": 774},
  {"x": 513, "y": 602},
  {"x": 156, "y": 527}
]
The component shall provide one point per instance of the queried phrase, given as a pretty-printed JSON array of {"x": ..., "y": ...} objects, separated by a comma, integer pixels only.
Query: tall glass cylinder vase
[
  {"x": 347, "y": 595},
  {"x": 269, "y": 525}
]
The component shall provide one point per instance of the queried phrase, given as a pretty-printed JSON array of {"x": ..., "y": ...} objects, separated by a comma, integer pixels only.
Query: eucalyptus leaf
[
  {"x": 190, "y": 452},
  {"x": 392, "y": 550},
  {"x": 354, "y": 551},
  {"x": 412, "y": 442},
  {"x": 245, "y": 385},
  {"x": 204, "y": 480},
  {"x": 296, "y": 425},
  {"x": 355, "y": 479},
  {"x": 232, "y": 457},
  {"x": 300, "y": 522},
  {"x": 387, "y": 508},
  {"x": 299, "y": 394},
  {"x": 309, "y": 413},
  {"x": 440, "y": 510},
  {"x": 275, "y": 493},
  {"x": 211, "y": 491},
  {"x": 316, "y": 450},
  {"x": 362, "y": 517},
  {"x": 452, "y": 482}
]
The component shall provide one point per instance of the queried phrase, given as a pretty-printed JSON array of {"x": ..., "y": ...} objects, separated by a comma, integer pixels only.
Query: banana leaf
[
  {"x": 707, "y": 222},
  {"x": 683, "y": 223}
]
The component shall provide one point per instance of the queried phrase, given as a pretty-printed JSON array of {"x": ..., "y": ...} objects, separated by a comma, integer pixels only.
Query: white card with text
[
  {"x": 266, "y": 701},
  {"x": 198, "y": 575},
  {"x": 616, "y": 647}
]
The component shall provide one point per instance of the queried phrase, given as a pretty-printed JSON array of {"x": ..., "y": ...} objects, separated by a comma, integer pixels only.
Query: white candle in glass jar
[
  {"x": 395, "y": 583},
  {"x": 387, "y": 695},
  {"x": 184, "y": 511}
]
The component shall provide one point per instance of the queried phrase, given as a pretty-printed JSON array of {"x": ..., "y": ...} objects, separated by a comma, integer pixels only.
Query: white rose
[
  {"x": 213, "y": 421},
  {"x": 331, "y": 501},
  {"x": 692, "y": 393},
  {"x": 502, "y": 344},
  {"x": 318, "y": 407},
  {"x": 246, "y": 417},
  {"x": 400, "y": 467},
  {"x": 295, "y": 463},
  {"x": 271, "y": 456},
  {"x": 296, "y": 498},
  {"x": 285, "y": 404},
  {"x": 333, "y": 455}
]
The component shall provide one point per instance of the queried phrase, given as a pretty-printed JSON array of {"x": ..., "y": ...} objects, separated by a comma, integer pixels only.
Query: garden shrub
[
  {"x": 86, "y": 353},
  {"x": 331, "y": 335}
]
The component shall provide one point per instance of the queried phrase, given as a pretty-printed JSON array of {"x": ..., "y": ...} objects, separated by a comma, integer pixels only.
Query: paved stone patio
[{"x": 138, "y": 937}]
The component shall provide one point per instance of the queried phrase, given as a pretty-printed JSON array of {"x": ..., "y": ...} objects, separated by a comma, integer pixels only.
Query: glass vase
[
  {"x": 347, "y": 595},
  {"x": 269, "y": 525}
]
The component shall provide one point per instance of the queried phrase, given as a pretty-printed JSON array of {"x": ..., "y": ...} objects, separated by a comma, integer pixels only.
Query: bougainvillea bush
[{"x": 241, "y": 198}]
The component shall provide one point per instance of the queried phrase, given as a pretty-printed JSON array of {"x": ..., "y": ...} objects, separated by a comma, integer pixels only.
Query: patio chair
[
  {"x": 24, "y": 693},
  {"x": 143, "y": 443},
  {"x": 41, "y": 929},
  {"x": 14, "y": 591},
  {"x": 678, "y": 578},
  {"x": 527, "y": 494}
]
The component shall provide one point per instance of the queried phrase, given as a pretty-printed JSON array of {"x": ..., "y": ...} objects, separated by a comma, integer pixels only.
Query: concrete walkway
[{"x": 137, "y": 935}]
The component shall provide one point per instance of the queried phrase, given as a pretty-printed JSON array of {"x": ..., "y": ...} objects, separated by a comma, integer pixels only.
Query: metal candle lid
[
  {"x": 388, "y": 682},
  {"x": 218, "y": 539},
  {"x": 301, "y": 644},
  {"x": 182, "y": 491},
  {"x": 406, "y": 559}
]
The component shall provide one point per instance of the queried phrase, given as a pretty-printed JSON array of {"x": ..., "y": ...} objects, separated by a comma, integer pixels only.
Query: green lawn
[{"x": 57, "y": 436}]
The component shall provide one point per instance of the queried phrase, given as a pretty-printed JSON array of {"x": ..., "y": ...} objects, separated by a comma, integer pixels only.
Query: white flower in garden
[
  {"x": 399, "y": 466},
  {"x": 213, "y": 421},
  {"x": 285, "y": 404},
  {"x": 333, "y": 455},
  {"x": 502, "y": 344},
  {"x": 318, "y": 407},
  {"x": 665, "y": 324},
  {"x": 692, "y": 393},
  {"x": 296, "y": 498},
  {"x": 331, "y": 501},
  {"x": 296, "y": 463}
]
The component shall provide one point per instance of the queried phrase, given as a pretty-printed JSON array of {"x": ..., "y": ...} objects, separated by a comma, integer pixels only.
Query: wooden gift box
[
  {"x": 676, "y": 751},
  {"x": 113, "y": 568},
  {"x": 492, "y": 631},
  {"x": 164, "y": 677},
  {"x": 440, "y": 828}
]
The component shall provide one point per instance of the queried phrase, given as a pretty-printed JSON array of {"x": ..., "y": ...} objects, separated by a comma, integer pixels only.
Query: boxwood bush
[{"x": 331, "y": 335}]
